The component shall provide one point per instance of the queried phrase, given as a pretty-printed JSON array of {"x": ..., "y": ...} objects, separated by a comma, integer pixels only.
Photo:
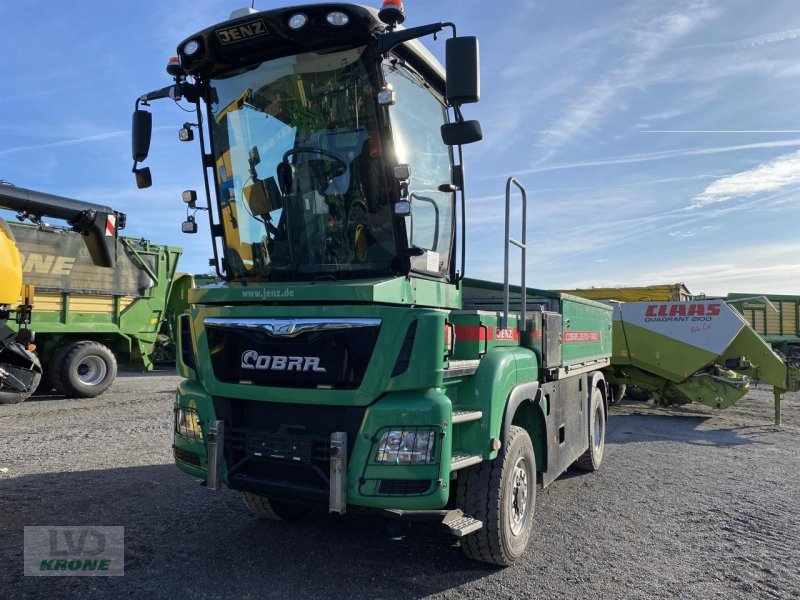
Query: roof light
[
  {"x": 174, "y": 66},
  {"x": 392, "y": 12},
  {"x": 338, "y": 18},
  {"x": 191, "y": 47},
  {"x": 298, "y": 21}
]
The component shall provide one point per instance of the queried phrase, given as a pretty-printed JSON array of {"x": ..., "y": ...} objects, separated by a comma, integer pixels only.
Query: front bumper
[{"x": 289, "y": 451}]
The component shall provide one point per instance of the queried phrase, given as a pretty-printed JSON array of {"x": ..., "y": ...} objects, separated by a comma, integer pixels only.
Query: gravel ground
[{"x": 690, "y": 503}]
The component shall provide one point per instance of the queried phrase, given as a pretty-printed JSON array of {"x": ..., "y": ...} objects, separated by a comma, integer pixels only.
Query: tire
[
  {"x": 502, "y": 494},
  {"x": 274, "y": 510},
  {"x": 87, "y": 370},
  {"x": 52, "y": 368},
  {"x": 593, "y": 457}
]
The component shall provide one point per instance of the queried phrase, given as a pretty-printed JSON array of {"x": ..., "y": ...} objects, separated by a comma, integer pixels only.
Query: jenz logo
[
  {"x": 253, "y": 361},
  {"x": 240, "y": 33}
]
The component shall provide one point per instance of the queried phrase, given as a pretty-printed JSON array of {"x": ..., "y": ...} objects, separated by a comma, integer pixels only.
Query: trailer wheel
[
  {"x": 502, "y": 494},
  {"x": 591, "y": 459},
  {"x": 53, "y": 369},
  {"x": 273, "y": 510},
  {"x": 87, "y": 370}
]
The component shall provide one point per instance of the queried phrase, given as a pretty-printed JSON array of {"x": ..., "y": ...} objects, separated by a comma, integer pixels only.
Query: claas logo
[{"x": 683, "y": 310}]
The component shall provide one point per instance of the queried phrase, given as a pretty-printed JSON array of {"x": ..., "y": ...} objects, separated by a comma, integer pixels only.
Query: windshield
[
  {"x": 417, "y": 118},
  {"x": 299, "y": 168}
]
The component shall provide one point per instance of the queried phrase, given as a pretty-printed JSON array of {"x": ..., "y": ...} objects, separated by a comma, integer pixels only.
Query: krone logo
[{"x": 253, "y": 361}]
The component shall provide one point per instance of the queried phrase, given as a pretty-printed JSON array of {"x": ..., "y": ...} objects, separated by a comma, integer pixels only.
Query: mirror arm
[{"x": 388, "y": 40}]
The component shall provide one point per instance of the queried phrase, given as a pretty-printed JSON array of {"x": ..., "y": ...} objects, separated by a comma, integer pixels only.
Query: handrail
[{"x": 522, "y": 246}]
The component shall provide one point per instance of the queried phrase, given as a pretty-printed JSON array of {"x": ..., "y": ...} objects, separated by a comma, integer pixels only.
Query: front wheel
[{"x": 502, "y": 494}]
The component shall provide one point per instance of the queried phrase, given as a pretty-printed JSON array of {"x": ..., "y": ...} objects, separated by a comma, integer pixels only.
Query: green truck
[
  {"x": 344, "y": 361},
  {"x": 775, "y": 317},
  {"x": 88, "y": 318}
]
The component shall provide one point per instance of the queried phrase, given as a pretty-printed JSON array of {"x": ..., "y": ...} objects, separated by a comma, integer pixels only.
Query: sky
[{"x": 659, "y": 141}]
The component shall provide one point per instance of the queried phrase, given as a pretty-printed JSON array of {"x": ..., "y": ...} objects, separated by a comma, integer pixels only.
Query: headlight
[
  {"x": 187, "y": 424},
  {"x": 338, "y": 19},
  {"x": 298, "y": 21},
  {"x": 406, "y": 447}
]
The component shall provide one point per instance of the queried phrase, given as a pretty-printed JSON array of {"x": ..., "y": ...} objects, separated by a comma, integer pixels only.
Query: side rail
[{"x": 522, "y": 245}]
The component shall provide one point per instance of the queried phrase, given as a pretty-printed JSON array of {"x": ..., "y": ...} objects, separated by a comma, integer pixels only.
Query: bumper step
[
  {"x": 464, "y": 416},
  {"x": 462, "y": 460},
  {"x": 460, "y": 524}
]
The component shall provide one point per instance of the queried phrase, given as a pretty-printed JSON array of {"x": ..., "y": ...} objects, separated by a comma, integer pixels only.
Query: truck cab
[{"x": 343, "y": 360}]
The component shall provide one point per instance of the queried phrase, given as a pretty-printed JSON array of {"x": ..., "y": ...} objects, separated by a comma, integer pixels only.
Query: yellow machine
[
  {"x": 10, "y": 267},
  {"x": 20, "y": 369}
]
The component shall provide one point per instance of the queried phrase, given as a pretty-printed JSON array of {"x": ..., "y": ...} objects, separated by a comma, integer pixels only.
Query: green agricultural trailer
[
  {"x": 776, "y": 318},
  {"x": 343, "y": 361},
  {"x": 698, "y": 351},
  {"x": 87, "y": 318}
]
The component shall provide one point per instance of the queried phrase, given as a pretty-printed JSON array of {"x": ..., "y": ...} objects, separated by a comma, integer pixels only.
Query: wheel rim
[
  {"x": 518, "y": 495},
  {"x": 92, "y": 370},
  {"x": 598, "y": 428}
]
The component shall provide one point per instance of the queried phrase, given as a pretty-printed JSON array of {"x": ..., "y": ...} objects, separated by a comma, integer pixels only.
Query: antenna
[{"x": 253, "y": 5}]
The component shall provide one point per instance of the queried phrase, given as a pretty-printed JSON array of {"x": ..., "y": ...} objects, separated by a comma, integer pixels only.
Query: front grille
[
  {"x": 404, "y": 487},
  {"x": 283, "y": 449},
  {"x": 331, "y": 359},
  {"x": 186, "y": 456}
]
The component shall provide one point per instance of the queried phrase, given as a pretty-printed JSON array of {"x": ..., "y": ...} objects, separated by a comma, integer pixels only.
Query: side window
[{"x": 417, "y": 118}]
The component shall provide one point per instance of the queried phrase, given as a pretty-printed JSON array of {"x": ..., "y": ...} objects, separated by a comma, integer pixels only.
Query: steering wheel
[{"x": 340, "y": 165}]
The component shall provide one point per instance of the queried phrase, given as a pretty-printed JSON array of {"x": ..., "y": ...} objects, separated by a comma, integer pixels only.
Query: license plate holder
[{"x": 280, "y": 447}]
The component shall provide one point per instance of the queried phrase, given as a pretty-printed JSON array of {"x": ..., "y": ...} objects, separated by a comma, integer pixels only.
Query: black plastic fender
[{"x": 524, "y": 392}]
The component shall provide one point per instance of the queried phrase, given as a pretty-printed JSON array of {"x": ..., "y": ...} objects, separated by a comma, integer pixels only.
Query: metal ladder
[{"x": 522, "y": 245}]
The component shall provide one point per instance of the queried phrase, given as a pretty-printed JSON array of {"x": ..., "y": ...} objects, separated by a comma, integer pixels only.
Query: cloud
[
  {"x": 648, "y": 42},
  {"x": 769, "y": 177},
  {"x": 82, "y": 140},
  {"x": 751, "y": 42},
  {"x": 655, "y": 156}
]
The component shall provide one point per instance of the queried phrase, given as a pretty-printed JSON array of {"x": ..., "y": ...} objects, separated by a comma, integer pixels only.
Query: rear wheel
[
  {"x": 502, "y": 494},
  {"x": 87, "y": 370},
  {"x": 274, "y": 510},
  {"x": 591, "y": 459}
]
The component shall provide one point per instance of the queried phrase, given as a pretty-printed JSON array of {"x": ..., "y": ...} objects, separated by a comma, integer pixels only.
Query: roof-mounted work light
[
  {"x": 174, "y": 66},
  {"x": 392, "y": 12}
]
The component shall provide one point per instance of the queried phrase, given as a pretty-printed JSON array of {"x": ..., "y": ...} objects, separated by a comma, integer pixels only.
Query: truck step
[
  {"x": 461, "y": 460},
  {"x": 464, "y": 416},
  {"x": 460, "y": 524}
]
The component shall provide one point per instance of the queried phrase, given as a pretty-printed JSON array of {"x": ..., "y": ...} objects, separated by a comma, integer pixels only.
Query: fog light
[
  {"x": 298, "y": 21},
  {"x": 187, "y": 424},
  {"x": 338, "y": 19},
  {"x": 407, "y": 447}
]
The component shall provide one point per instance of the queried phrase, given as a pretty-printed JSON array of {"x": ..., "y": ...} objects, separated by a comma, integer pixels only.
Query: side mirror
[
  {"x": 286, "y": 177},
  {"x": 141, "y": 130},
  {"x": 143, "y": 178},
  {"x": 461, "y": 134},
  {"x": 463, "y": 70}
]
